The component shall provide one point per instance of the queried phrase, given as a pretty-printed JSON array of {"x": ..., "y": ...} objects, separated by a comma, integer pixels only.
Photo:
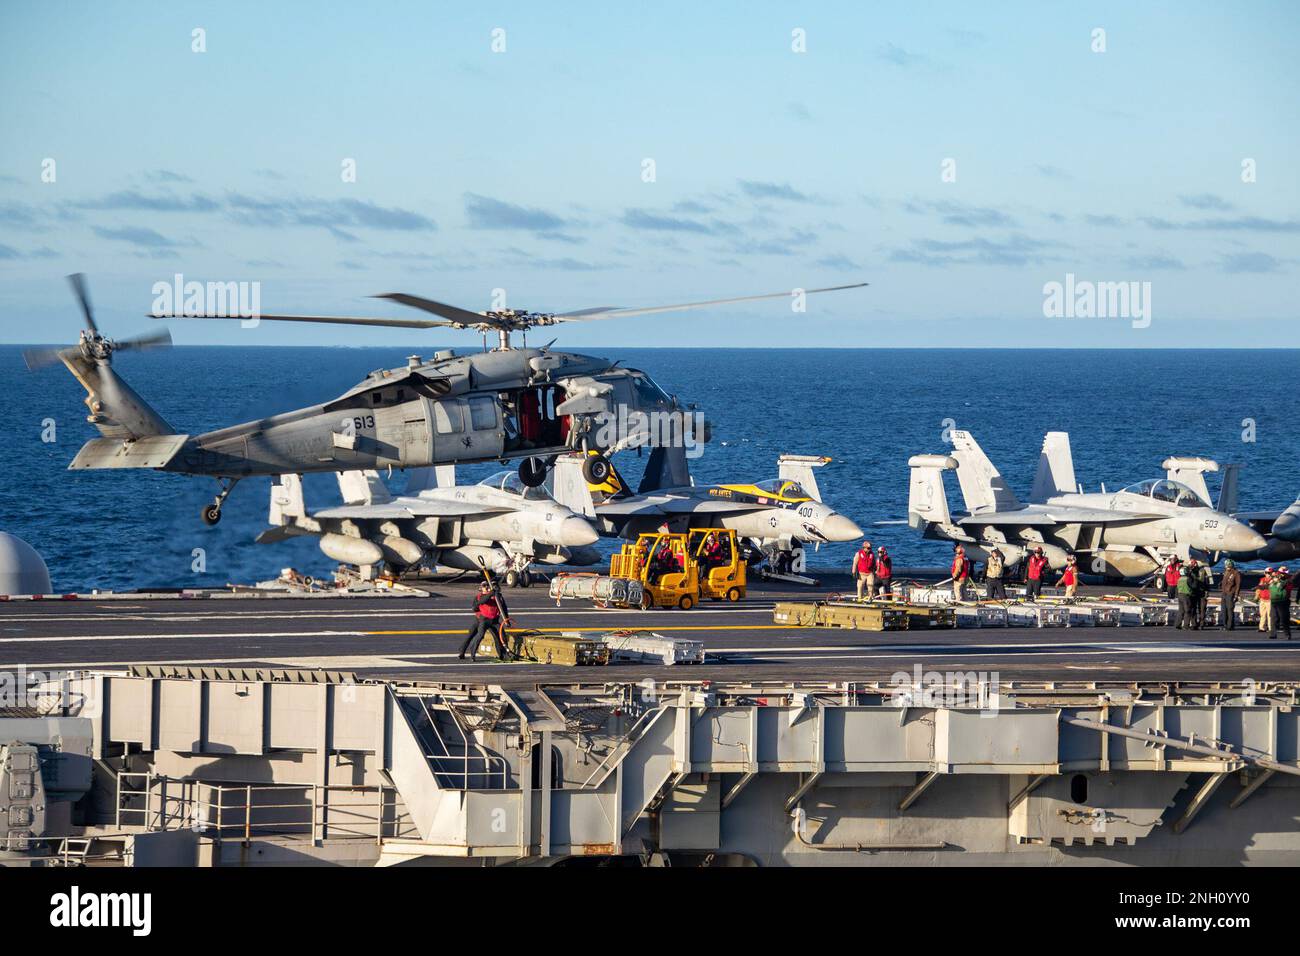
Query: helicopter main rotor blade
[
  {"x": 78, "y": 281},
  {"x": 327, "y": 319},
  {"x": 458, "y": 315},
  {"x": 37, "y": 359},
  {"x": 587, "y": 314},
  {"x": 161, "y": 339}
]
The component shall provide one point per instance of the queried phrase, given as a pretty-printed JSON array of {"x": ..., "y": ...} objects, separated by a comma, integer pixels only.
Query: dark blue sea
[{"x": 868, "y": 409}]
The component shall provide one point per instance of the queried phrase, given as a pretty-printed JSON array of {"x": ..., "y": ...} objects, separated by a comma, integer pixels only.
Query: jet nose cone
[
  {"x": 1238, "y": 537},
  {"x": 1287, "y": 525},
  {"x": 575, "y": 532},
  {"x": 839, "y": 528}
]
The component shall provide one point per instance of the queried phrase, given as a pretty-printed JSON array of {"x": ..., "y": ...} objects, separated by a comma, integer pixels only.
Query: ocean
[{"x": 868, "y": 409}]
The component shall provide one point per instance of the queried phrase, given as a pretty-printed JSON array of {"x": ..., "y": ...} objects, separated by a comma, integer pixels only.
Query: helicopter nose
[
  {"x": 839, "y": 528},
  {"x": 1238, "y": 537},
  {"x": 575, "y": 532}
]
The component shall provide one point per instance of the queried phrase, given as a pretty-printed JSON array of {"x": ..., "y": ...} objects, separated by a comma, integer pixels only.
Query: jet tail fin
[
  {"x": 800, "y": 468},
  {"x": 286, "y": 500},
  {"x": 570, "y": 488},
  {"x": 1055, "y": 475},
  {"x": 1190, "y": 472},
  {"x": 927, "y": 501},
  {"x": 1227, "y": 502},
  {"x": 363, "y": 488},
  {"x": 430, "y": 477},
  {"x": 982, "y": 486},
  {"x": 666, "y": 468}
]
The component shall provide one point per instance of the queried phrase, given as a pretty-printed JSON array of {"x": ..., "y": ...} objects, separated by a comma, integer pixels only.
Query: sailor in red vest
[
  {"x": 1034, "y": 569},
  {"x": 864, "y": 570},
  {"x": 490, "y": 615},
  {"x": 1070, "y": 578},
  {"x": 884, "y": 572},
  {"x": 1173, "y": 571},
  {"x": 960, "y": 572}
]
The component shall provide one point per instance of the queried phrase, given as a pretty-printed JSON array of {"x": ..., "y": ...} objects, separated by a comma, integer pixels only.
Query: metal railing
[
  {"x": 474, "y": 761},
  {"x": 235, "y": 811},
  {"x": 621, "y": 748}
]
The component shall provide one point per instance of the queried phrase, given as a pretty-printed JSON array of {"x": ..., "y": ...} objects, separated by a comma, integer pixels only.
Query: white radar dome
[{"x": 22, "y": 570}]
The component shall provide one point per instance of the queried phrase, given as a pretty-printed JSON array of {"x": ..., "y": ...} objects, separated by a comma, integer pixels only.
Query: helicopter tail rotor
[{"x": 115, "y": 408}]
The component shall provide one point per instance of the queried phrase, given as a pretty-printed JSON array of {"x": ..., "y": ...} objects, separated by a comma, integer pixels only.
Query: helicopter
[{"x": 506, "y": 403}]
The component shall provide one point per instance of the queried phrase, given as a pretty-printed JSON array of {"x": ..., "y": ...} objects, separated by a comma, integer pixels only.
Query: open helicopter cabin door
[{"x": 534, "y": 421}]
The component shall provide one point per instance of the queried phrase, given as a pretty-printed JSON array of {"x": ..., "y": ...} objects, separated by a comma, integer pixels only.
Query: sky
[{"x": 958, "y": 158}]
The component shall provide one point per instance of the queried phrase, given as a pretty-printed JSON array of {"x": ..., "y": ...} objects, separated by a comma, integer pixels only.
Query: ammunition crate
[
  {"x": 846, "y": 614},
  {"x": 924, "y": 617},
  {"x": 559, "y": 649}
]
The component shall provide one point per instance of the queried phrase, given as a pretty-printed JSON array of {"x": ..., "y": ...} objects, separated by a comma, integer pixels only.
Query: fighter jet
[
  {"x": 1281, "y": 529},
  {"x": 1121, "y": 534},
  {"x": 499, "y": 522},
  {"x": 774, "y": 514}
]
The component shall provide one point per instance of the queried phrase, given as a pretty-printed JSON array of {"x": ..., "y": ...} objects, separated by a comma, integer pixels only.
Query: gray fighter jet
[
  {"x": 1281, "y": 529},
  {"x": 1122, "y": 534},
  {"x": 499, "y": 523},
  {"x": 774, "y": 514}
]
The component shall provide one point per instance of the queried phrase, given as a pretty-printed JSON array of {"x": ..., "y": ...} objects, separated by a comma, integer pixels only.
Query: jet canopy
[
  {"x": 1162, "y": 489},
  {"x": 783, "y": 488},
  {"x": 510, "y": 482}
]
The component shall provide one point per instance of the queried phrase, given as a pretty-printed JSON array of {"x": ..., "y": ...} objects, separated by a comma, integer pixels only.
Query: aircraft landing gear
[
  {"x": 596, "y": 469},
  {"x": 211, "y": 514},
  {"x": 532, "y": 472}
]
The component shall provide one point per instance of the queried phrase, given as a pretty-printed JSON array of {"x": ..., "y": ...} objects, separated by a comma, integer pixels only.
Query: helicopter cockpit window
[{"x": 648, "y": 392}]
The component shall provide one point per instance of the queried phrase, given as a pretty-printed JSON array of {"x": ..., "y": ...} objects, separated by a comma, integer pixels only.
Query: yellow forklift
[
  {"x": 722, "y": 566},
  {"x": 678, "y": 569}
]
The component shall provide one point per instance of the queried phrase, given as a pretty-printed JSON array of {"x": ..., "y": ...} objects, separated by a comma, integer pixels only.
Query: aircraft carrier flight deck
[{"x": 417, "y": 638}]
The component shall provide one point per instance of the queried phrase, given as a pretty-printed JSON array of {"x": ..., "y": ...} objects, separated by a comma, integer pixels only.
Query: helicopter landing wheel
[
  {"x": 596, "y": 469},
  {"x": 211, "y": 514},
  {"x": 532, "y": 472}
]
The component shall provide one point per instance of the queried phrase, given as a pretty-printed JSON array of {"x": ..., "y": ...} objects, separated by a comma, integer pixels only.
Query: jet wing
[
  {"x": 1253, "y": 516},
  {"x": 672, "y": 505},
  {"x": 710, "y": 506},
  {"x": 409, "y": 507},
  {"x": 365, "y": 512},
  {"x": 1051, "y": 516}
]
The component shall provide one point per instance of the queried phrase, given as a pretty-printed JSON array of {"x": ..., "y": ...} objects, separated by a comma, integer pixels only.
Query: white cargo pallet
[
  {"x": 1037, "y": 615},
  {"x": 926, "y": 594},
  {"x": 1140, "y": 615},
  {"x": 981, "y": 615},
  {"x": 646, "y": 647}
]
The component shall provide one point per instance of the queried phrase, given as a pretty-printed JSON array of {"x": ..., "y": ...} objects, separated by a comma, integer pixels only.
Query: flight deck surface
[{"x": 419, "y": 637}]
